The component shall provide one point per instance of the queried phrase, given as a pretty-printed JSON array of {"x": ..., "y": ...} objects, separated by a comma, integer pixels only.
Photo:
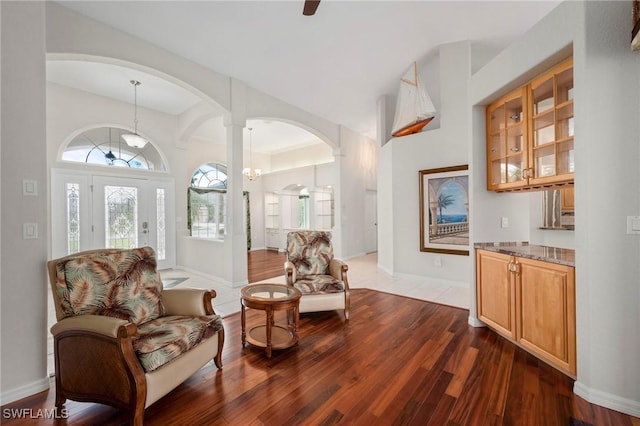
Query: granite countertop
[{"x": 557, "y": 255}]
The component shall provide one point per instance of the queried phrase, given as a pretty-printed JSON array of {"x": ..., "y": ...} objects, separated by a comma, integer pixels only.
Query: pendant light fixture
[
  {"x": 134, "y": 139},
  {"x": 251, "y": 173},
  {"x": 109, "y": 156}
]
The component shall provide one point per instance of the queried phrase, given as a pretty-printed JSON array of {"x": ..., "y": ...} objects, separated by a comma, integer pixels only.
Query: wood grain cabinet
[
  {"x": 531, "y": 303},
  {"x": 530, "y": 134},
  {"x": 496, "y": 292},
  {"x": 507, "y": 148}
]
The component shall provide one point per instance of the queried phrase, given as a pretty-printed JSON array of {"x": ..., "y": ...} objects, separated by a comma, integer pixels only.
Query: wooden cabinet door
[
  {"x": 496, "y": 292},
  {"x": 506, "y": 142},
  {"x": 530, "y": 134},
  {"x": 567, "y": 204},
  {"x": 546, "y": 312},
  {"x": 551, "y": 135}
]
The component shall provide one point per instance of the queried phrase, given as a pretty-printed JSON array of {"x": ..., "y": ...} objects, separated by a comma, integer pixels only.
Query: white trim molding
[
  {"x": 607, "y": 400},
  {"x": 24, "y": 391},
  {"x": 475, "y": 322}
]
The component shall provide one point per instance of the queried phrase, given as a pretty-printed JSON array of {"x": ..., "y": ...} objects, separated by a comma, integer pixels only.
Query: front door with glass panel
[{"x": 113, "y": 212}]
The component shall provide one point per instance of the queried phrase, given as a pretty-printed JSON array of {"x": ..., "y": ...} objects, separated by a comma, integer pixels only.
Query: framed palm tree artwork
[{"x": 444, "y": 210}]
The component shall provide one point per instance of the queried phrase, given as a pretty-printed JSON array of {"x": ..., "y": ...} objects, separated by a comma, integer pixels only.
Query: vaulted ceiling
[{"x": 334, "y": 64}]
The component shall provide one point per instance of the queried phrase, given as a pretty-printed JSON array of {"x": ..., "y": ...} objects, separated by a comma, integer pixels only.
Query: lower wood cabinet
[{"x": 531, "y": 303}]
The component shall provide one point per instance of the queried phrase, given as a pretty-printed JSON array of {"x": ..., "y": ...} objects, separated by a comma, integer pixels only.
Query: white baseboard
[
  {"x": 608, "y": 400},
  {"x": 475, "y": 322},
  {"x": 353, "y": 256},
  {"x": 24, "y": 391},
  {"x": 385, "y": 269}
]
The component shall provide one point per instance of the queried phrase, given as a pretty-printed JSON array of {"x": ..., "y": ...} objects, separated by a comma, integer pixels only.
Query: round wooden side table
[{"x": 270, "y": 297}]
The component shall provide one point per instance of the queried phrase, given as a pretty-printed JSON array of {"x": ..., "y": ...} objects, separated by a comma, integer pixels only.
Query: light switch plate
[
  {"x": 633, "y": 225},
  {"x": 29, "y": 187},
  {"x": 29, "y": 231}
]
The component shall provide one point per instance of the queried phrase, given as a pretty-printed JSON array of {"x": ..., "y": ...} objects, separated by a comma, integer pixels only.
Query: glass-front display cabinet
[
  {"x": 552, "y": 126},
  {"x": 506, "y": 149},
  {"x": 530, "y": 134}
]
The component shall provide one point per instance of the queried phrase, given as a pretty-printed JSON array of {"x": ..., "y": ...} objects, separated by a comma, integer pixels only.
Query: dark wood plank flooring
[
  {"x": 398, "y": 361},
  {"x": 265, "y": 264}
]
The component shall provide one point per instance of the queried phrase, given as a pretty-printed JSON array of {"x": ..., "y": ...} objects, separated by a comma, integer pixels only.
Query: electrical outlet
[{"x": 504, "y": 222}]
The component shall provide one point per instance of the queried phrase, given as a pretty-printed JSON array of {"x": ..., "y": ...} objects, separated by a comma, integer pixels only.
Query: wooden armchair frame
[{"x": 95, "y": 360}]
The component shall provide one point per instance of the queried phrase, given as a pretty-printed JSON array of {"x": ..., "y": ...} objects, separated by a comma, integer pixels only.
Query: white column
[{"x": 235, "y": 240}]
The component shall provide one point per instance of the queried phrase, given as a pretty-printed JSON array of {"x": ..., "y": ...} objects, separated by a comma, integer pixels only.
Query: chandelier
[
  {"x": 249, "y": 172},
  {"x": 134, "y": 139}
]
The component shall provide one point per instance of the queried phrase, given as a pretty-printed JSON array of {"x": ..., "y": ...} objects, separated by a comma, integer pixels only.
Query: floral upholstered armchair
[
  {"x": 121, "y": 339},
  {"x": 312, "y": 269}
]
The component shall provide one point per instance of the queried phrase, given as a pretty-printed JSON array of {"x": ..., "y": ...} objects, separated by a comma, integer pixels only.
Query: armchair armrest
[
  {"x": 86, "y": 346},
  {"x": 289, "y": 272},
  {"x": 107, "y": 326},
  {"x": 188, "y": 301},
  {"x": 338, "y": 269}
]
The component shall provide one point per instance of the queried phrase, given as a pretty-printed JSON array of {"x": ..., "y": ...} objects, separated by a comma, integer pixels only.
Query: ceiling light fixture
[
  {"x": 134, "y": 139},
  {"x": 110, "y": 156},
  {"x": 251, "y": 173}
]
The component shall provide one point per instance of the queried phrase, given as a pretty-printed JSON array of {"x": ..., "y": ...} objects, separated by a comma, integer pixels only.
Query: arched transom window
[
  {"x": 210, "y": 175},
  {"x": 105, "y": 146}
]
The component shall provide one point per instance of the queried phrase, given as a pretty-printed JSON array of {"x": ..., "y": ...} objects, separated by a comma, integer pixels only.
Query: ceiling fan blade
[{"x": 310, "y": 7}]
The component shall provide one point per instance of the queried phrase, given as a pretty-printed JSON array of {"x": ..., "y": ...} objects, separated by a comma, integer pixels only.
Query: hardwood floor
[
  {"x": 264, "y": 264},
  {"x": 398, "y": 361}
]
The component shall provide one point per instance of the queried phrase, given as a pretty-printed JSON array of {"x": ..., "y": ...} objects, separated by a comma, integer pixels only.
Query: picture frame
[
  {"x": 444, "y": 210},
  {"x": 635, "y": 25}
]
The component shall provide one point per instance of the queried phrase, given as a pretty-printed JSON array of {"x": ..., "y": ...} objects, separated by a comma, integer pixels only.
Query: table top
[{"x": 270, "y": 293}]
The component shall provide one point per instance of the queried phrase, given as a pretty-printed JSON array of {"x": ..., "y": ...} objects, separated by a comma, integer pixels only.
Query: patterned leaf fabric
[
  {"x": 163, "y": 339},
  {"x": 310, "y": 251},
  {"x": 118, "y": 283},
  {"x": 312, "y": 284}
]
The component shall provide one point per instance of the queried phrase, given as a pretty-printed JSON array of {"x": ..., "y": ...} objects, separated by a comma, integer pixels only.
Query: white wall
[
  {"x": 607, "y": 182},
  {"x": 404, "y": 157},
  {"x": 24, "y": 285},
  {"x": 358, "y": 172},
  {"x": 300, "y": 157},
  {"x": 71, "y": 110},
  {"x": 607, "y": 152}
]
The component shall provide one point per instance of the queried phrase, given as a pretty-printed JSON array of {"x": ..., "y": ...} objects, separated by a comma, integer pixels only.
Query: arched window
[
  {"x": 210, "y": 175},
  {"x": 104, "y": 146},
  {"x": 207, "y": 203},
  {"x": 207, "y": 197}
]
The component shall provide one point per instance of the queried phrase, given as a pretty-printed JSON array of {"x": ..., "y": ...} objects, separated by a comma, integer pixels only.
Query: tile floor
[{"x": 363, "y": 273}]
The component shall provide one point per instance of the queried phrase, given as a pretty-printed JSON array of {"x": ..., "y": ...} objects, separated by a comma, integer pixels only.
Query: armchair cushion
[
  {"x": 309, "y": 251},
  {"x": 117, "y": 283},
  {"x": 312, "y": 284},
  {"x": 163, "y": 339}
]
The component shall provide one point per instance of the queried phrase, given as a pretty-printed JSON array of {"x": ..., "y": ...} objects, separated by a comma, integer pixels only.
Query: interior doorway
[{"x": 371, "y": 221}]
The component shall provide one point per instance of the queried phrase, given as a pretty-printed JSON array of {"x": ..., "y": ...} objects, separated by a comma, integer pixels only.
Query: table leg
[
  {"x": 269, "y": 324},
  {"x": 243, "y": 320},
  {"x": 296, "y": 320}
]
